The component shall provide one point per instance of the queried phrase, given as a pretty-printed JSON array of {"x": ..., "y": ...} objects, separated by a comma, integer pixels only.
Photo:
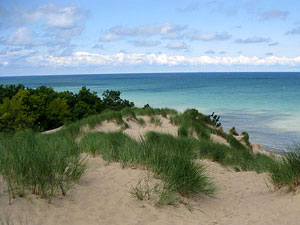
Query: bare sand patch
[{"x": 219, "y": 139}]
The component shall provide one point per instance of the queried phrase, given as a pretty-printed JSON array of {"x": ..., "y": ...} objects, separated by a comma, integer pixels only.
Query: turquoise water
[{"x": 266, "y": 105}]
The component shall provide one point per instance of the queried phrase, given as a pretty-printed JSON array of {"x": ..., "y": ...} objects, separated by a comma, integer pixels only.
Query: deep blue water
[{"x": 266, "y": 105}]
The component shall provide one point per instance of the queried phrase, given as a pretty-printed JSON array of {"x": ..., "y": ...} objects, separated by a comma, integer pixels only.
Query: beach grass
[
  {"x": 288, "y": 171},
  {"x": 171, "y": 158},
  {"x": 47, "y": 164},
  {"x": 42, "y": 164}
]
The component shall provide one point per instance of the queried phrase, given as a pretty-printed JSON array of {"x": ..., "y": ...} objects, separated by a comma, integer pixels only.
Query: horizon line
[{"x": 126, "y": 73}]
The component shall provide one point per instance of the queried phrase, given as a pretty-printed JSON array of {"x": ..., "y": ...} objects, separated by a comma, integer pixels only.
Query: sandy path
[{"x": 102, "y": 197}]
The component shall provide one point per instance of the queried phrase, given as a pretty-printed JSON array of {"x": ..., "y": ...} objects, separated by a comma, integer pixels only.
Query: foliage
[
  {"x": 215, "y": 119},
  {"x": 9, "y": 91},
  {"x": 43, "y": 108},
  {"x": 233, "y": 131}
]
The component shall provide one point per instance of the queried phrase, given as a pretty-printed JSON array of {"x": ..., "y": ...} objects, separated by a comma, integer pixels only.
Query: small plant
[
  {"x": 215, "y": 119},
  {"x": 142, "y": 191},
  {"x": 147, "y": 106},
  {"x": 141, "y": 121},
  {"x": 160, "y": 194},
  {"x": 233, "y": 132},
  {"x": 245, "y": 138},
  {"x": 124, "y": 126},
  {"x": 183, "y": 131},
  {"x": 155, "y": 121},
  {"x": 288, "y": 170}
]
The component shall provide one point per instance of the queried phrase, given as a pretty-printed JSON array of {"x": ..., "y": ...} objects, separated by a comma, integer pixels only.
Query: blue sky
[{"x": 116, "y": 36}]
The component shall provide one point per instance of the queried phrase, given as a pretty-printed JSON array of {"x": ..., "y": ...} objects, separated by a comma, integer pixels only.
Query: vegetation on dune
[
  {"x": 171, "y": 158},
  {"x": 42, "y": 164},
  {"x": 47, "y": 164},
  {"x": 287, "y": 173}
]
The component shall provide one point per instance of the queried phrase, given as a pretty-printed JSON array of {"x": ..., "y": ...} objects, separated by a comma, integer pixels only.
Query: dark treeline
[{"x": 43, "y": 108}]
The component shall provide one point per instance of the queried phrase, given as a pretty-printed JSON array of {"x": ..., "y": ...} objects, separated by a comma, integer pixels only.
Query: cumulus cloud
[
  {"x": 274, "y": 14},
  {"x": 196, "y": 36},
  {"x": 44, "y": 24},
  {"x": 87, "y": 58},
  {"x": 167, "y": 31},
  {"x": 295, "y": 31},
  {"x": 189, "y": 8},
  {"x": 253, "y": 40},
  {"x": 177, "y": 45}
]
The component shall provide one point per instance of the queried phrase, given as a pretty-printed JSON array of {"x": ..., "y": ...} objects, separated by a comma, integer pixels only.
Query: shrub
[
  {"x": 233, "y": 131},
  {"x": 245, "y": 138}
]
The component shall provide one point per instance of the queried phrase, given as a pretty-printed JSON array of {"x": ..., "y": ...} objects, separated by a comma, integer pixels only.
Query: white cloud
[
  {"x": 177, "y": 45},
  {"x": 190, "y": 7},
  {"x": 196, "y": 36},
  {"x": 52, "y": 15},
  {"x": 273, "y": 44},
  {"x": 253, "y": 40},
  {"x": 274, "y": 14},
  {"x": 295, "y": 31},
  {"x": 87, "y": 58},
  {"x": 167, "y": 31},
  {"x": 48, "y": 21},
  {"x": 21, "y": 36},
  {"x": 145, "y": 43},
  {"x": 210, "y": 52}
]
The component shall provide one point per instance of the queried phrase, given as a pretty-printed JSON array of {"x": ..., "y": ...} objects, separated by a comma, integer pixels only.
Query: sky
[{"x": 40, "y": 37}]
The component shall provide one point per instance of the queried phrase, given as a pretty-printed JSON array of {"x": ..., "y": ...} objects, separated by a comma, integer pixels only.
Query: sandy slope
[{"x": 102, "y": 197}]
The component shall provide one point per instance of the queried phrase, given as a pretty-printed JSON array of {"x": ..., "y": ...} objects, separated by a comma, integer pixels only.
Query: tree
[
  {"x": 58, "y": 112},
  {"x": 9, "y": 91},
  {"x": 17, "y": 113},
  {"x": 82, "y": 109},
  {"x": 112, "y": 100}
]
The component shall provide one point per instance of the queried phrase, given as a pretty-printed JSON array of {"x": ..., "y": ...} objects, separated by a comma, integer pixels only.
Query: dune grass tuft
[
  {"x": 288, "y": 171},
  {"x": 42, "y": 164},
  {"x": 171, "y": 158}
]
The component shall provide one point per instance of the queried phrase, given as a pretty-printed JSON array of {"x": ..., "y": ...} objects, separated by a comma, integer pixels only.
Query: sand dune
[{"x": 102, "y": 196}]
